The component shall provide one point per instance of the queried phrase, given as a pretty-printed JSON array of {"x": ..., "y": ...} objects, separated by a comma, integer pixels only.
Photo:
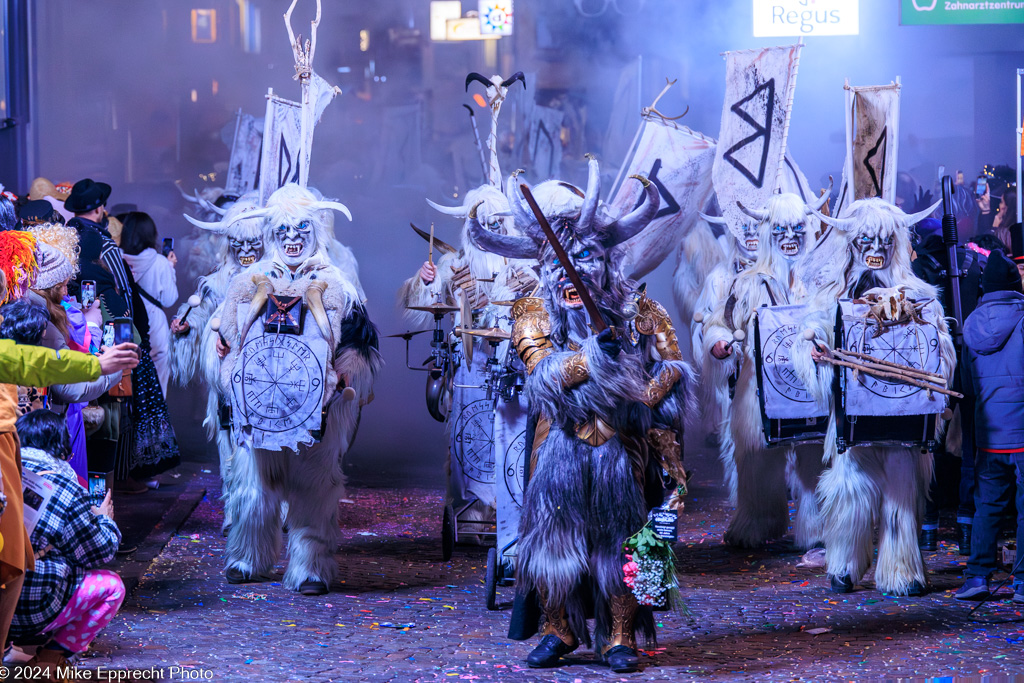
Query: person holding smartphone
[{"x": 156, "y": 282}]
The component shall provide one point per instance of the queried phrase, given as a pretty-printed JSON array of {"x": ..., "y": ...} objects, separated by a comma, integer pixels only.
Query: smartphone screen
[
  {"x": 108, "y": 334},
  {"x": 97, "y": 488},
  {"x": 123, "y": 331},
  {"x": 88, "y": 292},
  {"x": 981, "y": 187},
  {"x": 168, "y": 245}
]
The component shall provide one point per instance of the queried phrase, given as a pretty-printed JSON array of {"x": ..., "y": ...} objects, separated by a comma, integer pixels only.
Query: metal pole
[
  {"x": 950, "y": 239},
  {"x": 1019, "y": 125}
]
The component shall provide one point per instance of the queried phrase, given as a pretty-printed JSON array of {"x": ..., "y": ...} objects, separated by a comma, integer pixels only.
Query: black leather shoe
[
  {"x": 916, "y": 590},
  {"x": 313, "y": 587},
  {"x": 235, "y": 575},
  {"x": 548, "y": 653},
  {"x": 929, "y": 540},
  {"x": 842, "y": 584},
  {"x": 964, "y": 544},
  {"x": 622, "y": 659}
]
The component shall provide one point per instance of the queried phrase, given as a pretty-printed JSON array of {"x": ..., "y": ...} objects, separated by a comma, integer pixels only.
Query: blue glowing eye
[
  {"x": 556, "y": 262},
  {"x": 778, "y": 229},
  {"x": 583, "y": 254}
]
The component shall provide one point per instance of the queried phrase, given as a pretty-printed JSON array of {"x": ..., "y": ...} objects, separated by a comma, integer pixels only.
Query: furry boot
[
  {"x": 900, "y": 569},
  {"x": 254, "y": 541},
  {"x": 803, "y": 467},
  {"x": 849, "y": 494}
]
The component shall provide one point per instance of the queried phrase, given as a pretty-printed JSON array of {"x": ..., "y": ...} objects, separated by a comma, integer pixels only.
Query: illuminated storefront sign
[
  {"x": 774, "y": 18},
  {"x": 931, "y": 12},
  {"x": 204, "y": 26},
  {"x": 496, "y": 17},
  {"x": 440, "y": 12}
]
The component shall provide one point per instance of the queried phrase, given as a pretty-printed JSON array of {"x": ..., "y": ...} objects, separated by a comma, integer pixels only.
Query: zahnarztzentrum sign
[{"x": 928, "y": 12}]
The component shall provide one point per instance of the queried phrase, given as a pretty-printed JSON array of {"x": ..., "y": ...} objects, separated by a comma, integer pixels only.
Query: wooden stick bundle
[
  {"x": 900, "y": 377},
  {"x": 879, "y": 364}
]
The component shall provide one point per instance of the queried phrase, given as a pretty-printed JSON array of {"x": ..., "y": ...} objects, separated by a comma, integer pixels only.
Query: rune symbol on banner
[{"x": 761, "y": 131}]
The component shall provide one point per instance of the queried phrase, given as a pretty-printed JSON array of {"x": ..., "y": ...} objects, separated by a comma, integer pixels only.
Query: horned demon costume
[
  {"x": 302, "y": 361},
  {"x": 194, "y": 348},
  {"x": 869, "y": 249},
  {"x": 594, "y": 399},
  {"x": 763, "y": 473}
]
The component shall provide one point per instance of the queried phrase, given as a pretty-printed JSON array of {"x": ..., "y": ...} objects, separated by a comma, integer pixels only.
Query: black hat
[
  {"x": 1000, "y": 275},
  {"x": 87, "y": 195},
  {"x": 39, "y": 211}
]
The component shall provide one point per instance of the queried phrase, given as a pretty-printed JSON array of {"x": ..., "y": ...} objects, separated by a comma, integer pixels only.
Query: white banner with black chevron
[
  {"x": 755, "y": 121},
  {"x": 872, "y": 143},
  {"x": 678, "y": 161},
  {"x": 243, "y": 169}
]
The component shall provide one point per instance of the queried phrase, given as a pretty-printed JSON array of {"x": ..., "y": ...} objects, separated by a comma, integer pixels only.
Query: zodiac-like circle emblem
[
  {"x": 515, "y": 464},
  {"x": 473, "y": 440},
  {"x": 279, "y": 384},
  {"x": 915, "y": 346},
  {"x": 778, "y": 365}
]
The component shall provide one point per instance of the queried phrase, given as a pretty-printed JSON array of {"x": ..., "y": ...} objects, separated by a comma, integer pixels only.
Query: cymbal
[
  {"x": 408, "y": 335},
  {"x": 503, "y": 303},
  {"x": 435, "y": 308},
  {"x": 486, "y": 333}
]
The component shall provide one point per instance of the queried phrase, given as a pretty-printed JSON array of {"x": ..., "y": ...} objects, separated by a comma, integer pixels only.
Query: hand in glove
[{"x": 609, "y": 343}]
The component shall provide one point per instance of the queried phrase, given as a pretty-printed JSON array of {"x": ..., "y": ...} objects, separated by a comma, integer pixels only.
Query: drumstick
[
  {"x": 430, "y": 254},
  {"x": 879, "y": 361},
  {"x": 193, "y": 302}
]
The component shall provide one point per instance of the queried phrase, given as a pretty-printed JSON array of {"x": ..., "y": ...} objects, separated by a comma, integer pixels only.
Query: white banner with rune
[{"x": 277, "y": 387}]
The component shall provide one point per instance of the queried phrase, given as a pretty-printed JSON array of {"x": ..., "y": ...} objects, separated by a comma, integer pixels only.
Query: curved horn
[
  {"x": 336, "y": 206},
  {"x": 246, "y": 215},
  {"x": 636, "y": 220},
  {"x": 522, "y": 216},
  {"x": 914, "y": 218},
  {"x": 187, "y": 197},
  {"x": 820, "y": 201},
  {"x": 211, "y": 207},
  {"x": 592, "y": 197},
  {"x": 756, "y": 215},
  {"x": 472, "y": 211},
  {"x": 517, "y": 76},
  {"x": 264, "y": 288},
  {"x": 844, "y": 224},
  {"x": 456, "y": 211},
  {"x": 511, "y": 246},
  {"x": 217, "y": 227},
  {"x": 510, "y": 186},
  {"x": 469, "y": 109},
  {"x": 714, "y": 220},
  {"x": 474, "y": 76},
  {"x": 315, "y": 302}
]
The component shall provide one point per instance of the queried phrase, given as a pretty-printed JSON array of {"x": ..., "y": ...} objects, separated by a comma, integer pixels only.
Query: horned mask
[{"x": 242, "y": 228}]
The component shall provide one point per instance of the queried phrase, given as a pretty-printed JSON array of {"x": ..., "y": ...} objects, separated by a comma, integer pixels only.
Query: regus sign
[{"x": 806, "y": 18}]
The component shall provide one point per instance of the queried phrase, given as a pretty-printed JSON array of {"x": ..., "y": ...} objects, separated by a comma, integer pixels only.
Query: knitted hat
[
  {"x": 63, "y": 238},
  {"x": 1000, "y": 275},
  {"x": 53, "y": 267},
  {"x": 17, "y": 258}
]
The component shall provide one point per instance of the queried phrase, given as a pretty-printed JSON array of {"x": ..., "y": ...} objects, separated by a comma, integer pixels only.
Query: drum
[
  {"x": 876, "y": 410},
  {"x": 789, "y": 413}
]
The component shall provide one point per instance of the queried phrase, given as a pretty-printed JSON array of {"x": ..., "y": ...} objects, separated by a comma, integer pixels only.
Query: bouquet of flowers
[{"x": 650, "y": 569}]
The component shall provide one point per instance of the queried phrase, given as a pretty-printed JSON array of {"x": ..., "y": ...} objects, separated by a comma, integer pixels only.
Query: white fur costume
[
  {"x": 868, "y": 484},
  {"x": 762, "y": 473},
  {"x": 308, "y": 477},
  {"x": 241, "y": 243}
]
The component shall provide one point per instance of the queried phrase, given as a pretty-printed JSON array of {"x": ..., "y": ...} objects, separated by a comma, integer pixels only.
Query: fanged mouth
[
  {"x": 571, "y": 297},
  {"x": 751, "y": 245},
  {"x": 292, "y": 249},
  {"x": 874, "y": 261},
  {"x": 790, "y": 248},
  {"x": 247, "y": 260}
]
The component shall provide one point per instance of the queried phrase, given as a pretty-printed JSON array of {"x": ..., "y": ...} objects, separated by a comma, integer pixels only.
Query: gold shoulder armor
[
  {"x": 653, "y": 319},
  {"x": 531, "y": 331}
]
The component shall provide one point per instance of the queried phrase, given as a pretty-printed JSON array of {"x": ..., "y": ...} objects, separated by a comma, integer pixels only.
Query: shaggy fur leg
[
  {"x": 848, "y": 493},
  {"x": 226, "y": 452},
  {"x": 762, "y": 512},
  {"x": 254, "y": 542},
  {"x": 553, "y": 557},
  {"x": 617, "y": 511},
  {"x": 900, "y": 563},
  {"x": 803, "y": 467},
  {"x": 727, "y": 454},
  {"x": 315, "y": 484}
]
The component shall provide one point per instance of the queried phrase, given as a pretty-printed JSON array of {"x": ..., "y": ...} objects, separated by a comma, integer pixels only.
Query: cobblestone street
[{"x": 401, "y": 614}]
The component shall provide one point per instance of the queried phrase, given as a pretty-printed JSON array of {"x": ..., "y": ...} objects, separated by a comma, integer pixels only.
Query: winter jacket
[
  {"x": 157, "y": 283},
  {"x": 36, "y": 366},
  {"x": 68, "y": 540},
  {"x": 993, "y": 367}
]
